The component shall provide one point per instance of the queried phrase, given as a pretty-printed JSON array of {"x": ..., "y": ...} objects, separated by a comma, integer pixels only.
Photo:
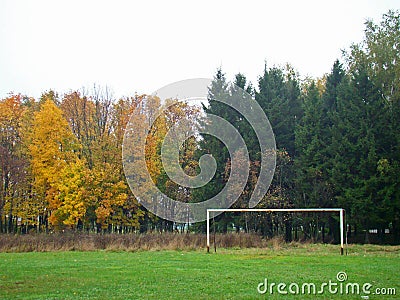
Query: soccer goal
[{"x": 340, "y": 211}]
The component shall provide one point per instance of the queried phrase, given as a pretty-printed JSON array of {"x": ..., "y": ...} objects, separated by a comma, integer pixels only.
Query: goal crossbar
[{"x": 340, "y": 211}]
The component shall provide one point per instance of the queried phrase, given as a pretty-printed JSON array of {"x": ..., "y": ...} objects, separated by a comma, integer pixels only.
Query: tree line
[{"x": 337, "y": 143}]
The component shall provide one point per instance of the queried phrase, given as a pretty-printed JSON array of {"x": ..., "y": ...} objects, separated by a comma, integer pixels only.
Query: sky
[{"x": 140, "y": 46}]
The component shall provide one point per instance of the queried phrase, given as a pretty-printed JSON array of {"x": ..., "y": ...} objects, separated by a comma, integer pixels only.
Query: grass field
[{"x": 227, "y": 274}]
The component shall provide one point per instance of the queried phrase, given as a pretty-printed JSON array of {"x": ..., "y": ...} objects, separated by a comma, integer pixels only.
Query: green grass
[{"x": 228, "y": 274}]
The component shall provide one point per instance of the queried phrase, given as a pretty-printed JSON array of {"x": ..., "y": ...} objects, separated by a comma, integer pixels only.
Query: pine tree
[
  {"x": 310, "y": 176},
  {"x": 279, "y": 96}
]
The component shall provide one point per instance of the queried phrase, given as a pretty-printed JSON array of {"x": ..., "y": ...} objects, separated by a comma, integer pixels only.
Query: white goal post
[{"x": 340, "y": 211}]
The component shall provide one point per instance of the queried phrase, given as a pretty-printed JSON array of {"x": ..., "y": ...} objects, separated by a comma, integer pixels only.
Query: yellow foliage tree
[
  {"x": 107, "y": 193},
  {"x": 53, "y": 146},
  {"x": 71, "y": 194}
]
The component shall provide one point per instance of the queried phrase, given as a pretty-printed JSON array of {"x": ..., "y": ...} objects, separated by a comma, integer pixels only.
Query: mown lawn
[{"x": 227, "y": 274}]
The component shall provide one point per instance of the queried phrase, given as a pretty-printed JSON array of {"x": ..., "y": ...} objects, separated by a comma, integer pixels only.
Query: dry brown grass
[
  {"x": 129, "y": 242},
  {"x": 164, "y": 241}
]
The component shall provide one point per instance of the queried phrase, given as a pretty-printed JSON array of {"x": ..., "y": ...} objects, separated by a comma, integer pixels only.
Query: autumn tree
[
  {"x": 13, "y": 164},
  {"x": 52, "y": 149},
  {"x": 98, "y": 122}
]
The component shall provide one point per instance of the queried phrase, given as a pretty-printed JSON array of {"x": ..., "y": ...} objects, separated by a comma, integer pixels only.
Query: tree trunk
[
  {"x": 288, "y": 231},
  {"x": 10, "y": 217}
]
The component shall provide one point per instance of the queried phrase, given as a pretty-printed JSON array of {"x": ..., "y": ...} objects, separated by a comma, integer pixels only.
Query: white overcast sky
[{"x": 140, "y": 46}]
